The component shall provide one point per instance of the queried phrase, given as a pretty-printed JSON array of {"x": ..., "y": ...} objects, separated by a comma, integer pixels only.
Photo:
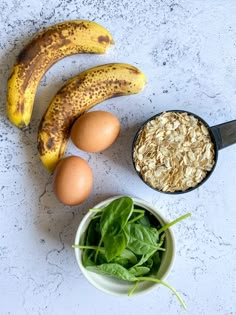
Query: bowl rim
[
  {"x": 147, "y": 206},
  {"x": 177, "y": 192}
]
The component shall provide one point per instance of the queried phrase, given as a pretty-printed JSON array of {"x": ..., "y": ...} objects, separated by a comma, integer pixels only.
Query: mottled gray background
[{"x": 188, "y": 51}]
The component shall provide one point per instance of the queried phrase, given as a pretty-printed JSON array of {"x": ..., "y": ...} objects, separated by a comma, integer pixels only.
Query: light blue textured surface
[{"x": 187, "y": 50}]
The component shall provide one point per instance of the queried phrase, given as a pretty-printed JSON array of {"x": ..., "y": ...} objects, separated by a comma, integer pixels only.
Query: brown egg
[
  {"x": 73, "y": 180},
  {"x": 95, "y": 131}
]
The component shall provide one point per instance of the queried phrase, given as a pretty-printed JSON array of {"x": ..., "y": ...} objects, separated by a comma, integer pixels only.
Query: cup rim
[
  {"x": 177, "y": 192},
  {"x": 148, "y": 207}
]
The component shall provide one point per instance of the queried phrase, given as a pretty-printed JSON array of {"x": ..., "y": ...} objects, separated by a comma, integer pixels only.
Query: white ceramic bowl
[{"x": 119, "y": 287}]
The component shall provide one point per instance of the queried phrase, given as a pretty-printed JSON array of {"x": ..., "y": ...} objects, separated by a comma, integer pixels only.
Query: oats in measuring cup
[{"x": 174, "y": 152}]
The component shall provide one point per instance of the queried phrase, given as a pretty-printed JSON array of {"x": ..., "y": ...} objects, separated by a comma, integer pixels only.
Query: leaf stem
[
  {"x": 96, "y": 216},
  {"x": 164, "y": 284},
  {"x": 98, "y": 249},
  {"x": 138, "y": 211},
  {"x": 95, "y": 210},
  {"x": 166, "y": 226},
  {"x": 137, "y": 218},
  {"x": 161, "y": 249},
  {"x": 133, "y": 288}
]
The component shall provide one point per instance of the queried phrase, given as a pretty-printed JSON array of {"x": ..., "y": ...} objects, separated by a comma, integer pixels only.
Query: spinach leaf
[
  {"x": 92, "y": 237},
  {"x": 139, "y": 270},
  {"x": 114, "y": 270},
  {"x": 156, "y": 258},
  {"x": 115, "y": 244},
  {"x": 88, "y": 258},
  {"x": 124, "y": 262},
  {"x": 93, "y": 233},
  {"x": 129, "y": 255},
  {"x": 115, "y": 234},
  {"x": 143, "y": 239},
  {"x": 101, "y": 258},
  {"x": 115, "y": 216},
  {"x": 145, "y": 221},
  {"x": 145, "y": 257},
  {"x": 126, "y": 258},
  {"x": 149, "y": 263}
]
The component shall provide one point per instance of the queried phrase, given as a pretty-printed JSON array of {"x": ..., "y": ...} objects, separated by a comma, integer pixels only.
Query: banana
[
  {"x": 77, "y": 96},
  {"x": 49, "y": 46}
]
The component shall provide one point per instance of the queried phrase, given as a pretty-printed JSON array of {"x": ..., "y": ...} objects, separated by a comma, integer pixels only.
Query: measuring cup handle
[{"x": 225, "y": 134}]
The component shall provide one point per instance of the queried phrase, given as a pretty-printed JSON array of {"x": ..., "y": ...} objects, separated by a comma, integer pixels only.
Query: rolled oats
[{"x": 174, "y": 152}]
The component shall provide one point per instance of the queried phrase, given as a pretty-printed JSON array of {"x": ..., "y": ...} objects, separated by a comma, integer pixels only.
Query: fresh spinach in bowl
[{"x": 127, "y": 242}]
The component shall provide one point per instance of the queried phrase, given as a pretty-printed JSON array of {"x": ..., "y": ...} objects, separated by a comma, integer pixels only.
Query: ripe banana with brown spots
[
  {"x": 77, "y": 96},
  {"x": 49, "y": 46}
]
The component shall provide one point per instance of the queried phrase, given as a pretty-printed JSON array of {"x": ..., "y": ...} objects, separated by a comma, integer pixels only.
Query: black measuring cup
[{"x": 222, "y": 136}]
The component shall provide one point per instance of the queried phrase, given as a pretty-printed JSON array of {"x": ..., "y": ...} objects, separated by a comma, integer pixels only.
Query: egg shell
[
  {"x": 72, "y": 180},
  {"x": 95, "y": 131}
]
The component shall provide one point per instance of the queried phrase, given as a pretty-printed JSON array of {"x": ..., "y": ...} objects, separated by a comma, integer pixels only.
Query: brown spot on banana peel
[
  {"x": 50, "y": 144},
  {"x": 40, "y": 146},
  {"x": 30, "y": 52},
  {"x": 135, "y": 71},
  {"x": 104, "y": 39},
  {"x": 20, "y": 109},
  {"x": 118, "y": 94},
  {"x": 79, "y": 95}
]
